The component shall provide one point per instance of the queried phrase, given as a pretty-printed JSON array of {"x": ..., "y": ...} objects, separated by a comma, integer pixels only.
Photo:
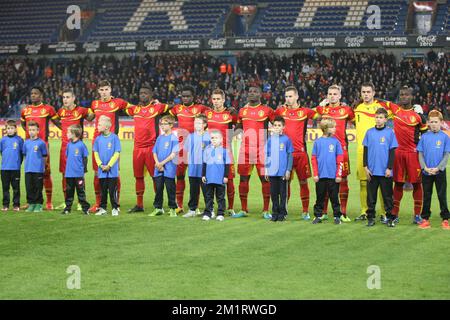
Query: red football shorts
[
  {"x": 143, "y": 159},
  {"x": 407, "y": 167},
  {"x": 247, "y": 159},
  {"x": 301, "y": 165}
]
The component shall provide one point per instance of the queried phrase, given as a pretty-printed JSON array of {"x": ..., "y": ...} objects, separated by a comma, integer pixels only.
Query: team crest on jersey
[
  {"x": 342, "y": 111},
  {"x": 152, "y": 110},
  {"x": 111, "y": 105},
  {"x": 109, "y": 145},
  {"x": 75, "y": 114},
  {"x": 245, "y": 112},
  {"x": 261, "y": 113},
  {"x": 413, "y": 119},
  {"x": 225, "y": 117},
  {"x": 63, "y": 113},
  {"x": 210, "y": 115},
  {"x": 194, "y": 110},
  {"x": 382, "y": 140},
  {"x": 281, "y": 146},
  {"x": 300, "y": 113},
  {"x": 15, "y": 145},
  {"x": 331, "y": 148},
  {"x": 43, "y": 111},
  {"x": 180, "y": 108},
  {"x": 438, "y": 143},
  {"x": 166, "y": 145},
  {"x": 35, "y": 149},
  {"x": 77, "y": 151}
]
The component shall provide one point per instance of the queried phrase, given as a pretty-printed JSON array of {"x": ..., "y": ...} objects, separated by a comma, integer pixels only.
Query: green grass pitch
[{"x": 138, "y": 257}]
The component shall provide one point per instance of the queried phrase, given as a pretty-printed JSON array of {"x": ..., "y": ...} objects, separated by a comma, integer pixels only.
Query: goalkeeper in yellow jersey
[{"x": 365, "y": 120}]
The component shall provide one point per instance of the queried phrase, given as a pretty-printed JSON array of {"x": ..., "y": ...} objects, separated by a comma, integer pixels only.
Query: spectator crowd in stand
[{"x": 167, "y": 73}]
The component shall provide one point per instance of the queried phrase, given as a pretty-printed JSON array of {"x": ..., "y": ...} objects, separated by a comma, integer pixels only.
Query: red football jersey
[
  {"x": 407, "y": 127},
  {"x": 255, "y": 121},
  {"x": 222, "y": 121},
  {"x": 110, "y": 109},
  {"x": 42, "y": 114},
  {"x": 340, "y": 114},
  {"x": 146, "y": 123},
  {"x": 186, "y": 115},
  {"x": 71, "y": 117},
  {"x": 296, "y": 124}
]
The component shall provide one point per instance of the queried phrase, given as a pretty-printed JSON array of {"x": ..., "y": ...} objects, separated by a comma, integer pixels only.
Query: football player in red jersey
[
  {"x": 254, "y": 119},
  {"x": 342, "y": 114},
  {"x": 42, "y": 114},
  {"x": 146, "y": 129},
  {"x": 185, "y": 114},
  {"x": 69, "y": 114},
  {"x": 408, "y": 126},
  {"x": 222, "y": 119},
  {"x": 296, "y": 119},
  {"x": 110, "y": 107}
]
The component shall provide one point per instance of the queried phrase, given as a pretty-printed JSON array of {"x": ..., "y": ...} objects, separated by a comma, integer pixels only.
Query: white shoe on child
[
  {"x": 206, "y": 218},
  {"x": 220, "y": 218},
  {"x": 189, "y": 214},
  {"x": 115, "y": 212}
]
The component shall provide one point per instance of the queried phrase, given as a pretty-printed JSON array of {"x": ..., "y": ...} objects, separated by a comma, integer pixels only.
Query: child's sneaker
[
  {"x": 445, "y": 225},
  {"x": 206, "y": 218},
  {"x": 115, "y": 212},
  {"x": 361, "y": 217},
  {"x": 281, "y": 218},
  {"x": 337, "y": 220},
  {"x": 220, "y": 218},
  {"x": 101, "y": 212},
  {"x": 305, "y": 216},
  {"x": 345, "y": 218},
  {"x": 5, "y": 209},
  {"x": 190, "y": 214},
  {"x": 136, "y": 209},
  {"x": 370, "y": 222},
  {"x": 324, "y": 217},
  {"x": 391, "y": 223},
  {"x": 16, "y": 209},
  {"x": 65, "y": 211},
  {"x": 38, "y": 208},
  {"x": 156, "y": 212},
  {"x": 317, "y": 220},
  {"x": 172, "y": 213},
  {"x": 383, "y": 219},
  {"x": 30, "y": 208},
  {"x": 425, "y": 224}
]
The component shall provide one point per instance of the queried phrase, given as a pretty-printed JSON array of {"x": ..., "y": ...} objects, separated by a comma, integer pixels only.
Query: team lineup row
[{"x": 254, "y": 117}]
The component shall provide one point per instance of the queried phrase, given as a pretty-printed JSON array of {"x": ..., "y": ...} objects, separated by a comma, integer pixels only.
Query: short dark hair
[
  {"x": 382, "y": 111},
  {"x": 104, "y": 83},
  {"x": 11, "y": 123},
  {"x": 219, "y": 91},
  {"x": 189, "y": 88},
  {"x": 39, "y": 88},
  {"x": 66, "y": 90},
  {"x": 368, "y": 84},
  {"x": 147, "y": 86},
  {"x": 279, "y": 119},
  {"x": 291, "y": 88},
  {"x": 32, "y": 124}
]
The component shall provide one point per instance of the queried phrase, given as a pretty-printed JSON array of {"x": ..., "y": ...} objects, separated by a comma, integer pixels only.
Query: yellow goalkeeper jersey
[{"x": 364, "y": 120}]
